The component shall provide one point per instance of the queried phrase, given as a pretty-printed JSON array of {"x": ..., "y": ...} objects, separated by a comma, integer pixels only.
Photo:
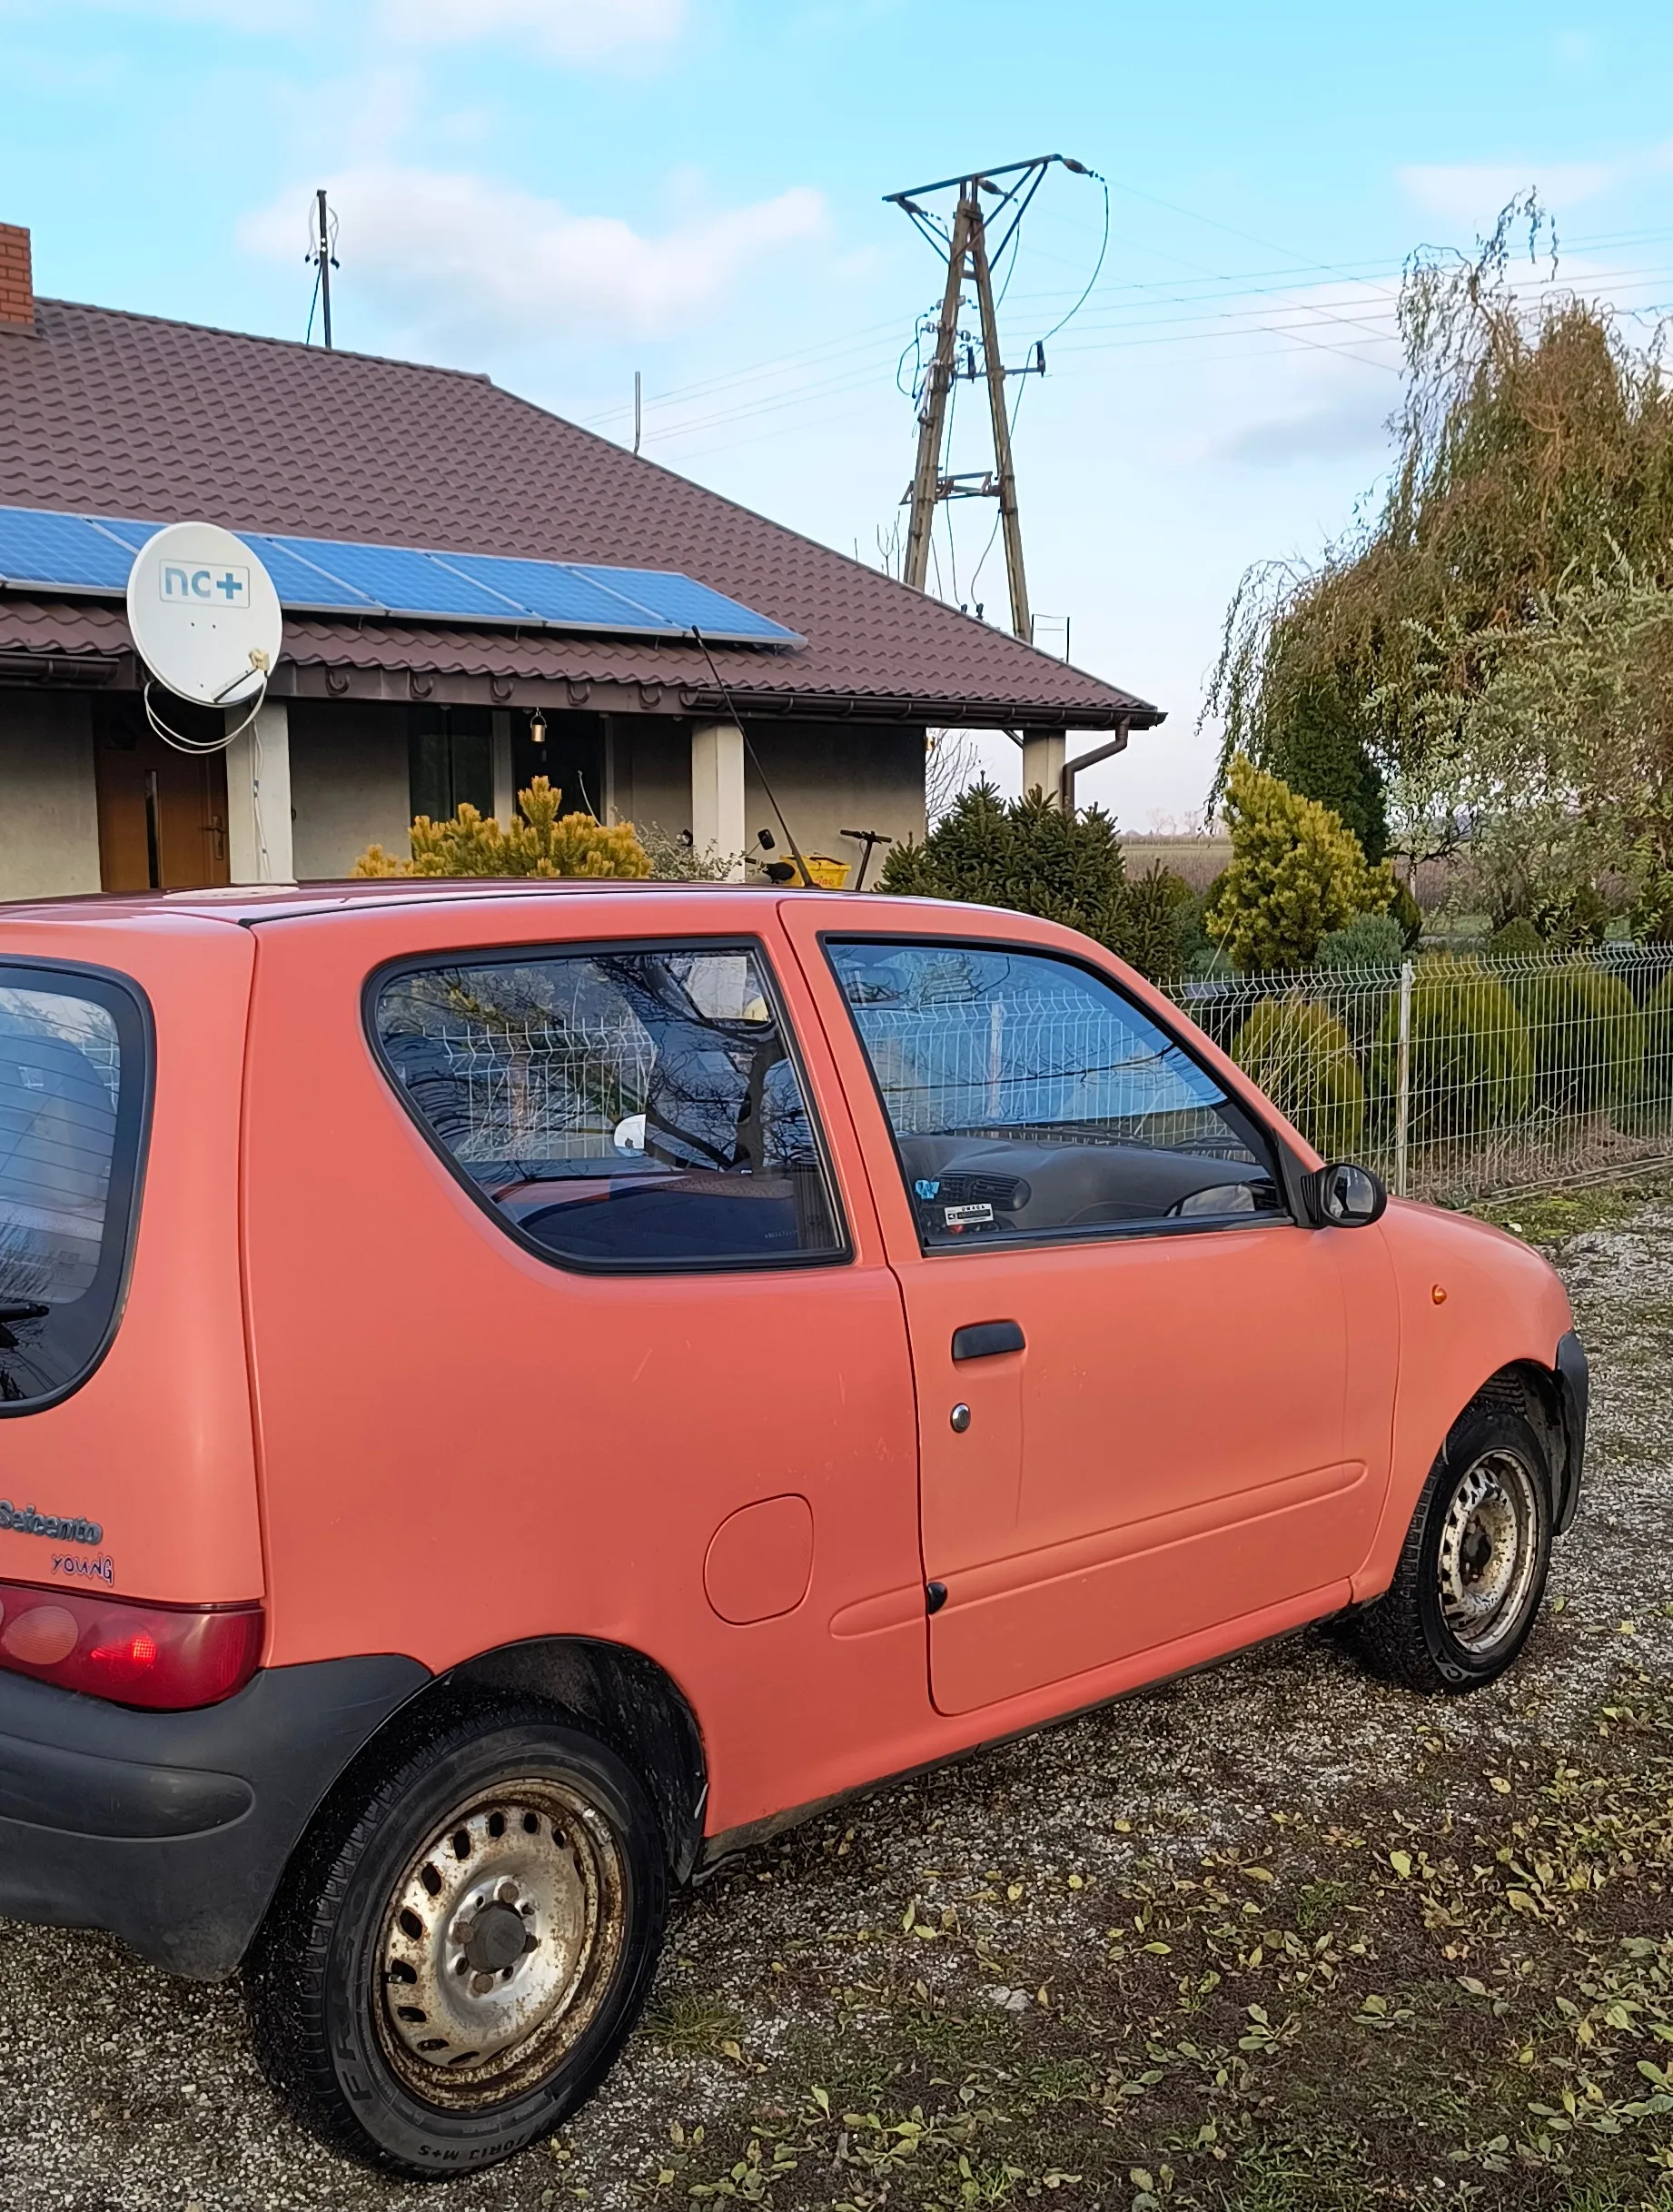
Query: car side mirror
[{"x": 1345, "y": 1196}]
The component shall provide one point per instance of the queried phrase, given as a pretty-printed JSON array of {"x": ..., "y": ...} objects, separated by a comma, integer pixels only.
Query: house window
[{"x": 451, "y": 761}]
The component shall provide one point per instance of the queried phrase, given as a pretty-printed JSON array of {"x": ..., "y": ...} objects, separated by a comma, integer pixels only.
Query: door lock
[{"x": 960, "y": 1418}]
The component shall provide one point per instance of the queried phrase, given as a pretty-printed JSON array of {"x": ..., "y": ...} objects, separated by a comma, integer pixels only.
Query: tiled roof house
[{"x": 373, "y": 716}]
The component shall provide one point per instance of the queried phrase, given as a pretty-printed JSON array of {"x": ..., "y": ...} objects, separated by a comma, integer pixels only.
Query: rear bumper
[
  {"x": 1574, "y": 1389},
  {"x": 172, "y": 1830}
]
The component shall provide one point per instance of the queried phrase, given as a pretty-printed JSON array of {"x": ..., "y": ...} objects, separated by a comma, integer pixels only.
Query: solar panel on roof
[
  {"x": 555, "y": 591},
  {"x": 684, "y": 603},
  {"x": 65, "y": 550},
  {"x": 406, "y": 581},
  {"x": 302, "y": 581},
  {"x": 43, "y": 550},
  {"x": 132, "y": 534}
]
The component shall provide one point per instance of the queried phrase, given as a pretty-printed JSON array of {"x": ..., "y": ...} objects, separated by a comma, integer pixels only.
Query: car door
[{"x": 1142, "y": 1418}]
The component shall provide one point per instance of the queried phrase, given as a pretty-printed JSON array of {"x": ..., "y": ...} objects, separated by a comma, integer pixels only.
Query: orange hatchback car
[{"x": 509, "y": 1395}]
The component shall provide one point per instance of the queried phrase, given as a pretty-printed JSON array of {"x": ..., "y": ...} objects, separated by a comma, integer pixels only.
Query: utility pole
[
  {"x": 1010, "y": 520},
  {"x": 932, "y": 414},
  {"x": 965, "y": 243}
]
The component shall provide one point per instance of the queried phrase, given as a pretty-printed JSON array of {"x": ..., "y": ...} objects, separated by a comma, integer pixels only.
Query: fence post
[{"x": 1402, "y": 1080}]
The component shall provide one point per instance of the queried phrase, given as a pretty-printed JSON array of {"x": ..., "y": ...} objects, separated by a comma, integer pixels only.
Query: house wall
[
  {"x": 829, "y": 777},
  {"x": 652, "y": 771},
  {"x": 348, "y": 784},
  {"x": 49, "y": 815}
]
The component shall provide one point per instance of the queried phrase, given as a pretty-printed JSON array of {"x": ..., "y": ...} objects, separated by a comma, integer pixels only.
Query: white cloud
[
  {"x": 457, "y": 259},
  {"x": 1473, "y": 192},
  {"x": 568, "y": 30}
]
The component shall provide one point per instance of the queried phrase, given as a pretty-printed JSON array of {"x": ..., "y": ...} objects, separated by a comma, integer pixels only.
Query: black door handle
[{"x": 983, "y": 1340}]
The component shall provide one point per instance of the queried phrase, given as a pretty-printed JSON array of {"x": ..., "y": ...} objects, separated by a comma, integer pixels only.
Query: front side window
[
  {"x": 1027, "y": 1098},
  {"x": 635, "y": 1108},
  {"x": 72, "y": 1083}
]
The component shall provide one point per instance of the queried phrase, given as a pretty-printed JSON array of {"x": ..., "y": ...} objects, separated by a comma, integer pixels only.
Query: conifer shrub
[
  {"x": 1659, "y": 1042},
  {"x": 1369, "y": 940},
  {"x": 1028, "y": 854},
  {"x": 1157, "y": 928},
  {"x": 1300, "y": 1055},
  {"x": 1472, "y": 1063},
  {"x": 1587, "y": 1035},
  {"x": 542, "y": 842},
  {"x": 1407, "y": 912},
  {"x": 1516, "y": 938},
  {"x": 1297, "y": 873}
]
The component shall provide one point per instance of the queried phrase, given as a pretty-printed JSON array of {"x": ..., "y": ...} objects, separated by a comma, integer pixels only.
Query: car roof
[{"x": 243, "y": 904}]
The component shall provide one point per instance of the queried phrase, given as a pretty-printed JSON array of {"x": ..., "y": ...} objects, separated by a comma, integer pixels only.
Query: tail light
[{"x": 163, "y": 1657}]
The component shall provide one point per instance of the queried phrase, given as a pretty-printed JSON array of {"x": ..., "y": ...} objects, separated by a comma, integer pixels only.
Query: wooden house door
[{"x": 161, "y": 813}]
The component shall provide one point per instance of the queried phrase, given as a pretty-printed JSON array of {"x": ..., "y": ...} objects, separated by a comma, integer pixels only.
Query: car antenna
[{"x": 789, "y": 835}]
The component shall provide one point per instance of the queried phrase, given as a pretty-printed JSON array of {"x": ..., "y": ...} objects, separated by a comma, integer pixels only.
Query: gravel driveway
[{"x": 1135, "y": 1961}]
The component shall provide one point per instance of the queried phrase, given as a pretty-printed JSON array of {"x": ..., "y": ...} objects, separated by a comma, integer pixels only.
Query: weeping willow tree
[{"x": 1491, "y": 642}]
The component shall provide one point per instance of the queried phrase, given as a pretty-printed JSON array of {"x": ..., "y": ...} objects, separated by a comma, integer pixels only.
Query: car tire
[
  {"x": 462, "y": 1943},
  {"x": 1473, "y": 1567}
]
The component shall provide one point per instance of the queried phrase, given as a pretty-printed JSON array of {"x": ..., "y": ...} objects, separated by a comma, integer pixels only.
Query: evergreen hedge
[
  {"x": 1588, "y": 1036},
  {"x": 1472, "y": 1063},
  {"x": 1301, "y": 1056}
]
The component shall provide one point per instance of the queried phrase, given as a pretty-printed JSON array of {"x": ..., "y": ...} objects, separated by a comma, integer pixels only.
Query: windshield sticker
[
  {"x": 927, "y": 1186},
  {"x": 966, "y": 1217},
  {"x": 23, "y": 1521}
]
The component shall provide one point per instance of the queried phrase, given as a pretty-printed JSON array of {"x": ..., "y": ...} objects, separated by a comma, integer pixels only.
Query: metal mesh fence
[
  {"x": 1460, "y": 1076},
  {"x": 532, "y": 1089}
]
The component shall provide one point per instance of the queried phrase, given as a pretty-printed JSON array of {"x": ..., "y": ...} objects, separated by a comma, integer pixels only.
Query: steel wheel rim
[
  {"x": 1490, "y": 1551},
  {"x": 500, "y": 1943}
]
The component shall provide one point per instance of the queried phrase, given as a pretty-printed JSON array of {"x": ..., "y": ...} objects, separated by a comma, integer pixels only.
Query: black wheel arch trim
[
  {"x": 631, "y": 1703},
  {"x": 1574, "y": 1397}
]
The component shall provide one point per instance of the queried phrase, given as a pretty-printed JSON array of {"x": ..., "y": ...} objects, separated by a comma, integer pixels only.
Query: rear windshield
[{"x": 72, "y": 1083}]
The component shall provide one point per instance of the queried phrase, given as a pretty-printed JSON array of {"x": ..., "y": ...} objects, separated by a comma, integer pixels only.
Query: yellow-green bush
[
  {"x": 542, "y": 843},
  {"x": 1471, "y": 1064},
  {"x": 1587, "y": 1034},
  {"x": 1659, "y": 1039},
  {"x": 1297, "y": 872},
  {"x": 1301, "y": 1056}
]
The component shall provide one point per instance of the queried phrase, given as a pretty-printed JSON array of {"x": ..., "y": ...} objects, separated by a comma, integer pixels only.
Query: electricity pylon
[{"x": 965, "y": 244}]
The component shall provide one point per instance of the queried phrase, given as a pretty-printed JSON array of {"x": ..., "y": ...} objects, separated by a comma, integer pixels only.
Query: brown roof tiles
[{"x": 120, "y": 414}]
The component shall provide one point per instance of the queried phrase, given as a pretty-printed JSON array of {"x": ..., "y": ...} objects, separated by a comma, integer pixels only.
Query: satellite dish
[{"x": 204, "y": 614}]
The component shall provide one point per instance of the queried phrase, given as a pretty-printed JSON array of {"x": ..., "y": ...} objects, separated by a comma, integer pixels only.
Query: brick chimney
[{"x": 17, "y": 282}]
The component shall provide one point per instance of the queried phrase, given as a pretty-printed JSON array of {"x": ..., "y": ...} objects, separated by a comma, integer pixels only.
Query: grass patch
[
  {"x": 690, "y": 2024},
  {"x": 1551, "y": 1218}
]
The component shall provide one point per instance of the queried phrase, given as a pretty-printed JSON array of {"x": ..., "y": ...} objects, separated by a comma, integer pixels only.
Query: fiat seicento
[{"x": 509, "y": 1396}]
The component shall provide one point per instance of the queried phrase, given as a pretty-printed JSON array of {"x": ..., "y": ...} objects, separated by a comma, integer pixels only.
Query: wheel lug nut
[{"x": 480, "y": 1984}]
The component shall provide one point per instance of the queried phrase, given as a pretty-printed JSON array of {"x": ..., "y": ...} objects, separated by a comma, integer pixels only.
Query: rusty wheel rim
[
  {"x": 500, "y": 1943},
  {"x": 1489, "y": 1552}
]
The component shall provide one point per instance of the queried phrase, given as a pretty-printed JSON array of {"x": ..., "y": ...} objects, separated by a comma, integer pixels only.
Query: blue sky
[{"x": 559, "y": 192}]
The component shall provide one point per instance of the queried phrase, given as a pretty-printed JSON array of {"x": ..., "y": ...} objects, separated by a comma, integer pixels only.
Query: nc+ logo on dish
[{"x": 227, "y": 586}]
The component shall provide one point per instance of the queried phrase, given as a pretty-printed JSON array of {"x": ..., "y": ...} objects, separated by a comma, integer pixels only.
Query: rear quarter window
[
  {"x": 74, "y": 1074},
  {"x": 623, "y": 1107}
]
